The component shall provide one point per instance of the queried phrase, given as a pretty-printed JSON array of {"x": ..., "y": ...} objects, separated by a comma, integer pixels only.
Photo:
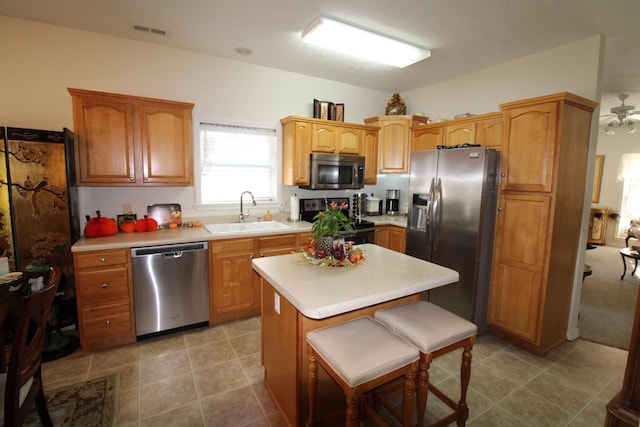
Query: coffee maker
[{"x": 393, "y": 202}]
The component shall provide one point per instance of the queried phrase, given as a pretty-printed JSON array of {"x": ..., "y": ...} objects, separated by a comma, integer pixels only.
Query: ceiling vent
[{"x": 144, "y": 29}]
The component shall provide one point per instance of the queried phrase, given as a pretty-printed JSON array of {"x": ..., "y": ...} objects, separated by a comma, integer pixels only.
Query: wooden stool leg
[
  {"x": 465, "y": 375},
  {"x": 409, "y": 394},
  {"x": 312, "y": 385},
  {"x": 353, "y": 401},
  {"x": 423, "y": 386}
]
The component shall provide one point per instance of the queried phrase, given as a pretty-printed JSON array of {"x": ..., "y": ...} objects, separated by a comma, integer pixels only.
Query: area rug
[{"x": 88, "y": 404}]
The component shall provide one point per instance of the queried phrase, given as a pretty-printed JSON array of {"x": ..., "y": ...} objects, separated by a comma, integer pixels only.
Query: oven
[{"x": 363, "y": 230}]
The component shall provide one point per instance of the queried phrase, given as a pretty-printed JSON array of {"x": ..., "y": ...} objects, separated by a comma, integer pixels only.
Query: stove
[{"x": 364, "y": 231}]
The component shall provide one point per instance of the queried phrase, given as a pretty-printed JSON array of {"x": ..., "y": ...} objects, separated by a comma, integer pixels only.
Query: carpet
[
  {"x": 91, "y": 403},
  {"x": 608, "y": 304}
]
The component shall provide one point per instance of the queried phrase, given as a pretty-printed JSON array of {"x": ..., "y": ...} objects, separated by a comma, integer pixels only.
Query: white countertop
[
  {"x": 173, "y": 236},
  {"x": 319, "y": 292},
  {"x": 197, "y": 234}
]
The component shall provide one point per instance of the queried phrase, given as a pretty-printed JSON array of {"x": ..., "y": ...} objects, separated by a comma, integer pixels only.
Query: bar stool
[
  {"x": 434, "y": 331},
  {"x": 361, "y": 355}
]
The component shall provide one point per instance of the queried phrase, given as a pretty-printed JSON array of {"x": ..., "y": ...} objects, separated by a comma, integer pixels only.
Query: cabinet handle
[
  {"x": 251, "y": 257},
  {"x": 502, "y": 174},
  {"x": 104, "y": 286},
  {"x": 145, "y": 179},
  {"x": 500, "y": 209},
  {"x": 108, "y": 323},
  {"x": 103, "y": 260},
  {"x": 132, "y": 179},
  {"x": 261, "y": 255}
]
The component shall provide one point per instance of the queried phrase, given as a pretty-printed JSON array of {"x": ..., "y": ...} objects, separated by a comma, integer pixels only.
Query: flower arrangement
[
  {"x": 330, "y": 221},
  {"x": 343, "y": 254}
]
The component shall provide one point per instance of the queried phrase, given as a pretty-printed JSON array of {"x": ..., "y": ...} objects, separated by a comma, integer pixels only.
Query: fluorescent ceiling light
[{"x": 336, "y": 35}]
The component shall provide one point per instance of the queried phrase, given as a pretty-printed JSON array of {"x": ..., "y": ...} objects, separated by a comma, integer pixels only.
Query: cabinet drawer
[
  {"x": 106, "y": 321},
  {"x": 283, "y": 241},
  {"x": 104, "y": 285},
  {"x": 232, "y": 245},
  {"x": 101, "y": 259}
]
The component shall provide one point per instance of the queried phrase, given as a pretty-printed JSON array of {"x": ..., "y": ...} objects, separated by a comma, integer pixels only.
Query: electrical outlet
[
  {"x": 126, "y": 208},
  {"x": 276, "y": 303}
]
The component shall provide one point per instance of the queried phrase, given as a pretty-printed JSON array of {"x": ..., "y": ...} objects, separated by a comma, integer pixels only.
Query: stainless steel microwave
[{"x": 335, "y": 172}]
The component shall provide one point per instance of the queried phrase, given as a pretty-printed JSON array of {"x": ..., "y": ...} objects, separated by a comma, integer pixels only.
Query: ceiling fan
[{"x": 621, "y": 114}]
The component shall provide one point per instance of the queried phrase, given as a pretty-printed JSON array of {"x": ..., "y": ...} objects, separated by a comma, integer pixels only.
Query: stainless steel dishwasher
[{"x": 170, "y": 286}]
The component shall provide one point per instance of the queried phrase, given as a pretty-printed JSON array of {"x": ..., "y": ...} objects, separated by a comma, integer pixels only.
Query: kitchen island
[{"x": 298, "y": 297}]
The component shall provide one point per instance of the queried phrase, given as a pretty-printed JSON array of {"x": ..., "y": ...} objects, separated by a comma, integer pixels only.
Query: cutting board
[{"x": 165, "y": 214}]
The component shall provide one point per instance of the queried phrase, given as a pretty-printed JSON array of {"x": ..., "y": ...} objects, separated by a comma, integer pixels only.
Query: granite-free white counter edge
[{"x": 174, "y": 236}]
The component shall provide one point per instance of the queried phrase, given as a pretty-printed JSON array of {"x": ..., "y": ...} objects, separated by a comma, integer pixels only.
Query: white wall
[{"x": 41, "y": 61}]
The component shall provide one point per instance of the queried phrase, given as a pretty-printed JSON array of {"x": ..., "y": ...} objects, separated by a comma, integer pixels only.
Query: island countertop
[{"x": 320, "y": 292}]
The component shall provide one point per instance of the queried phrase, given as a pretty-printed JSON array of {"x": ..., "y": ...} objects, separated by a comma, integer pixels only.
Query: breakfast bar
[{"x": 298, "y": 297}]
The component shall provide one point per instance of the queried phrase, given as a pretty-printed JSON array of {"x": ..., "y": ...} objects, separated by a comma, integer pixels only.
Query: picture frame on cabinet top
[{"x": 339, "y": 113}]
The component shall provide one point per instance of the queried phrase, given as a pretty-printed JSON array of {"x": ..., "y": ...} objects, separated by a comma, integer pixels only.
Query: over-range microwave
[{"x": 335, "y": 172}]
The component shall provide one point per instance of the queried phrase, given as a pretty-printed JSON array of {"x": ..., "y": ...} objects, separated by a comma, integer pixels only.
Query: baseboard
[{"x": 573, "y": 334}]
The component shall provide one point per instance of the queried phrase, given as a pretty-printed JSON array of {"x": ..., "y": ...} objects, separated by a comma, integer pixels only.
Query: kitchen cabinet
[
  {"x": 302, "y": 136},
  {"x": 235, "y": 287},
  {"x": 370, "y": 153},
  {"x": 104, "y": 298},
  {"x": 484, "y": 129},
  {"x": 544, "y": 163},
  {"x": 391, "y": 237},
  {"x": 125, "y": 140},
  {"x": 394, "y": 141}
]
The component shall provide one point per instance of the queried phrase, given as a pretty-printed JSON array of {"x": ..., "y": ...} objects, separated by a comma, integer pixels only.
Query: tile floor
[{"x": 213, "y": 377}]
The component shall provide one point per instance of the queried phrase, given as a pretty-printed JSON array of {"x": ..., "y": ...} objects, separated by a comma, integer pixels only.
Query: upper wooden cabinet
[
  {"x": 484, "y": 129},
  {"x": 302, "y": 136},
  {"x": 394, "y": 141},
  {"x": 131, "y": 141},
  {"x": 538, "y": 223},
  {"x": 370, "y": 153}
]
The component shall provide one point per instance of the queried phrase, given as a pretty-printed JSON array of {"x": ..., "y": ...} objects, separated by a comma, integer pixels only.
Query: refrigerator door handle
[
  {"x": 437, "y": 214},
  {"x": 429, "y": 213}
]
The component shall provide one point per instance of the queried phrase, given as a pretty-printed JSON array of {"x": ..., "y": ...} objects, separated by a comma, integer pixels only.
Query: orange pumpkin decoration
[
  {"x": 127, "y": 227},
  {"x": 146, "y": 224},
  {"x": 100, "y": 226}
]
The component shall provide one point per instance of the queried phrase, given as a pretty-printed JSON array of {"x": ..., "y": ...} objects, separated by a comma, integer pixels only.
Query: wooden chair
[
  {"x": 434, "y": 331},
  {"x": 21, "y": 386},
  {"x": 361, "y": 355}
]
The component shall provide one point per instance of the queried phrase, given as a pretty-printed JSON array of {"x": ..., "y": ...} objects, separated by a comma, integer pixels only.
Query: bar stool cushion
[
  {"x": 426, "y": 325},
  {"x": 360, "y": 350}
]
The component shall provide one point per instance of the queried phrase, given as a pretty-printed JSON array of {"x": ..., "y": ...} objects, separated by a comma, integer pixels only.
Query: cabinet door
[
  {"x": 105, "y": 141},
  {"x": 426, "y": 138},
  {"x": 516, "y": 299},
  {"x": 489, "y": 132},
  {"x": 529, "y": 147},
  {"x": 370, "y": 153},
  {"x": 324, "y": 138},
  {"x": 397, "y": 239},
  {"x": 394, "y": 146},
  {"x": 296, "y": 146},
  {"x": 166, "y": 145},
  {"x": 461, "y": 133},
  {"x": 233, "y": 283},
  {"x": 349, "y": 141},
  {"x": 382, "y": 236}
]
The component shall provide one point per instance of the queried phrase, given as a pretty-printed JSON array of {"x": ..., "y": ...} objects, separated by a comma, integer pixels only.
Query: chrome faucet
[{"x": 253, "y": 202}]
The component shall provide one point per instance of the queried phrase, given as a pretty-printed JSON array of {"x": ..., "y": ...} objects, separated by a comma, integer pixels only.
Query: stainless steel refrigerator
[{"x": 453, "y": 195}]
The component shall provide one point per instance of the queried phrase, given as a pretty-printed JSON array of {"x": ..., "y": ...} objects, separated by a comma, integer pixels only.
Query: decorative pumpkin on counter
[
  {"x": 146, "y": 224},
  {"x": 127, "y": 227},
  {"x": 100, "y": 226}
]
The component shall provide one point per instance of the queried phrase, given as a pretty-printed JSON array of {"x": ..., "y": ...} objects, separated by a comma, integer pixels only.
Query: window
[
  {"x": 234, "y": 159},
  {"x": 629, "y": 174}
]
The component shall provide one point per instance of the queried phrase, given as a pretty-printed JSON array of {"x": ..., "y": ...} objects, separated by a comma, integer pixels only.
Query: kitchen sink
[{"x": 245, "y": 227}]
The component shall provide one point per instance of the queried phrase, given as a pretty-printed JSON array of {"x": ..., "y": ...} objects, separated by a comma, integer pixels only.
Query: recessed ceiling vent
[{"x": 145, "y": 29}]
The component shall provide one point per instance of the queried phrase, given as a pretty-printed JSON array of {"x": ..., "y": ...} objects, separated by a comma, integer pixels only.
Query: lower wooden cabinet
[
  {"x": 234, "y": 286},
  {"x": 391, "y": 237},
  {"x": 105, "y": 298}
]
